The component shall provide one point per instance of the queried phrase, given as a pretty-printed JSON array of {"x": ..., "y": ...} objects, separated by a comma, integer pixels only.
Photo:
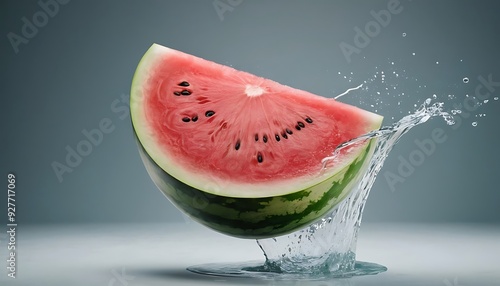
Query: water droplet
[
  {"x": 437, "y": 63},
  {"x": 404, "y": 34},
  {"x": 474, "y": 123},
  {"x": 486, "y": 101},
  {"x": 465, "y": 80},
  {"x": 495, "y": 98},
  {"x": 392, "y": 63},
  {"x": 413, "y": 53},
  {"x": 434, "y": 96}
]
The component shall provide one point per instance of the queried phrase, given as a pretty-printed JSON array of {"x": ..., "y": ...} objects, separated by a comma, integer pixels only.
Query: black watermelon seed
[
  {"x": 259, "y": 157},
  {"x": 185, "y": 92},
  {"x": 277, "y": 137},
  {"x": 297, "y": 127},
  {"x": 237, "y": 145},
  {"x": 186, "y": 119},
  {"x": 300, "y": 124},
  {"x": 289, "y": 131},
  {"x": 184, "y": 83},
  {"x": 195, "y": 118},
  {"x": 284, "y": 135},
  {"x": 209, "y": 113},
  {"x": 177, "y": 93},
  {"x": 256, "y": 137},
  {"x": 264, "y": 138},
  {"x": 309, "y": 120}
]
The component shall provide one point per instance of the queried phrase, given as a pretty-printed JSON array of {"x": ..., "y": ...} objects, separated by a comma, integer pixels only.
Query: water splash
[
  {"x": 347, "y": 91},
  {"x": 424, "y": 113},
  {"x": 327, "y": 248}
]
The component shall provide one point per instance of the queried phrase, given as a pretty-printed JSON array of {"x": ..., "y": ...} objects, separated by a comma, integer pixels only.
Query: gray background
[{"x": 65, "y": 79}]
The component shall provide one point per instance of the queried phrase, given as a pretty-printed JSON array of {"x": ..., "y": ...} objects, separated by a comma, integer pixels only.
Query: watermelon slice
[{"x": 239, "y": 153}]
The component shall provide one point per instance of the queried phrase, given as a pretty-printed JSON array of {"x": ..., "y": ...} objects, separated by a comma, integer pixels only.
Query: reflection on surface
[{"x": 158, "y": 254}]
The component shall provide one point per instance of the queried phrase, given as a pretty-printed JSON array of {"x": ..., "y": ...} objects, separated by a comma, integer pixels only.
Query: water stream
[{"x": 327, "y": 248}]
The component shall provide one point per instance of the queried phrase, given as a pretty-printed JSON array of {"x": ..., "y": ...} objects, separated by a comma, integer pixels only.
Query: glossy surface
[{"x": 158, "y": 254}]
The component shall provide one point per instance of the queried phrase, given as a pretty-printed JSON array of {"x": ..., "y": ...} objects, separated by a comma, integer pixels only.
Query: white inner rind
[{"x": 204, "y": 181}]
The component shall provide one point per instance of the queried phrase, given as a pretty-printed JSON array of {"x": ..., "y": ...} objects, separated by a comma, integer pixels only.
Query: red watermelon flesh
[{"x": 203, "y": 122}]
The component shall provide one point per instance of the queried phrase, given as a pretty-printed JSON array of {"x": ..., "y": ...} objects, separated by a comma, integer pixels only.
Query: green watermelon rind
[{"x": 255, "y": 218}]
